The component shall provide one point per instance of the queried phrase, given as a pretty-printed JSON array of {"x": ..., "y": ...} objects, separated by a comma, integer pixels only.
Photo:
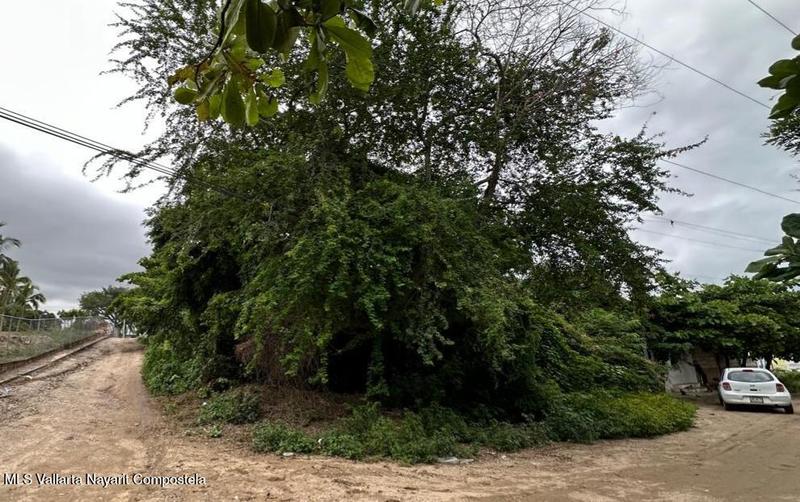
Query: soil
[{"x": 91, "y": 414}]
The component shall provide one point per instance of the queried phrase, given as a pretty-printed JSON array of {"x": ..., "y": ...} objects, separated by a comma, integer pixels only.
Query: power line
[
  {"x": 105, "y": 149},
  {"x": 719, "y": 231},
  {"x": 728, "y": 180},
  {"x": 772, "y": 17},
  {"x": 708, "y": 243},
  {"x": 670, "y": 57}
]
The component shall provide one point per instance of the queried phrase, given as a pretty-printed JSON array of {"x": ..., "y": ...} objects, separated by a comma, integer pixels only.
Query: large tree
[
  {"x": 423, "y": 240},
  {"x": 101, "y": 303}
]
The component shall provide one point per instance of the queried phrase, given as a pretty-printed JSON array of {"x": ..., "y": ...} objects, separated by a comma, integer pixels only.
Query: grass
[{"x": 15, "y": 346}]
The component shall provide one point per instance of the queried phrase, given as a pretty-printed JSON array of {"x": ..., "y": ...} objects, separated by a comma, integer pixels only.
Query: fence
[{"x": 23, "y": 338}]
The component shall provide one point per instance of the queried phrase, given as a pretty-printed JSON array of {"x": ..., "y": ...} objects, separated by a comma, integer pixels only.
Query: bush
[
  {"x": 412, "y": 438},
  {"x": 237, "y": 406},
  {"x": 791, "y": 379},
  {"x": 269, "y": 437},
  {"x": 165, "y": 372},
  {"x": 602, "y": 415},
  {"x": 436, "y": 432}
]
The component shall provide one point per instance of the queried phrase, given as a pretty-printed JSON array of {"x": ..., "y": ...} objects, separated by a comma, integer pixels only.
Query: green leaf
[
  {"x": 275, "y": 78},
  {"x": 770, "y": 82},
  {"x": 181, "y": 74},
  {"x": 353, "y": 43},
  {"x": 254, "y": 64},
  {"x": 785, "y": 105},
  {"x": 776, "y": 251},
  {"x": 232, "y": 16},
  {"x": 184, "y": 95},
  {"x": 796, "y": 43},
  {"x": 364, "y": 22},
  {"x": 792, "y": 86},
  {"x": 758, "y": 265},
  {"x": 214, "y": 106},
  {"x": 251, "y": 108},
  {"x": 261, "y": 24},
  {"x": 233, "y": 110},
  {"x": 360, "y": 73},
  {"x": 267, "y": 105},
  {"x": 203, "y": 111},
  {"x": 791, "y": 225},
  {"x": 329, "y": 8},
  {"x": 784, "y": 68},
  {"x": 358, "y": 51}
]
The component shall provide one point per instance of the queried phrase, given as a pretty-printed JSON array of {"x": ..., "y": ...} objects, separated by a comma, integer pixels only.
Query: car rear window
[{"x": 749, "y": 376}]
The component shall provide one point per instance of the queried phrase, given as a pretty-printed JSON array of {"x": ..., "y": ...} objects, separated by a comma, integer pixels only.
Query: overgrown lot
[{"x": 312, "y": 423}]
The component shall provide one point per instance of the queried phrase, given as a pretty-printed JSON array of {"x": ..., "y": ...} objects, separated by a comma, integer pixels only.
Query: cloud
[
  {"x": 75, "y": 238},
  {"x": 735, "y": 43}
]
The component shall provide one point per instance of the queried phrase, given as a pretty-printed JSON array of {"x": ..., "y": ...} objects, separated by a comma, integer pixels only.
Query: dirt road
[{"x": 91, "y": 414}]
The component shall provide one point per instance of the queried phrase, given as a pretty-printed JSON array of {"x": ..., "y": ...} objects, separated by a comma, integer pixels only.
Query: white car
[{"x": 753, "y": 387}]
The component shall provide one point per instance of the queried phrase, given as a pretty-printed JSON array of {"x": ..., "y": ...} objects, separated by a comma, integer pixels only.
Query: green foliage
[
  {"x": 588, "y": 417},
  {"x": 236, "y": 406},
  {"x": 103, "y": 303},
  {"x": 783, "y": 76},
  {"x": 782, "y": 263},
  {"x": 433, "y": 240},
  {"x": 251, "y": 30},
  {"x": 437, "y": 432},
  {"x": 743, "y": 318},
  {"x": 165, "y": 372},
  {"x": 280, "y": 438},
  {"x": 421, "y": 437},
  {"x": 791, "y": 379}
]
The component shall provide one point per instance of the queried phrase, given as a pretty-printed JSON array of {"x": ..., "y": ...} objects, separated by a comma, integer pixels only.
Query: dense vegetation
[
  {"x": 740, "y": 320},
  {"x": 455, "y": 238}
]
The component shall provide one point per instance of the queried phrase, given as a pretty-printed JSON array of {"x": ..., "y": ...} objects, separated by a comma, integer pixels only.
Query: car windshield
[{"x": 749, "y": 376}]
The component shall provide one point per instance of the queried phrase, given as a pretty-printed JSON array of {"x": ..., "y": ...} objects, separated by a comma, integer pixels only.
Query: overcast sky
[{"x": 78, "y": 235}]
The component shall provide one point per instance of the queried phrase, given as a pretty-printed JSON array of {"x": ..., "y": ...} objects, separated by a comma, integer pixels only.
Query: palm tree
[
  {"x": 28, "y": 296},
  {"x": 5, "y": 243},
  {"x": 11, "y": 283}
]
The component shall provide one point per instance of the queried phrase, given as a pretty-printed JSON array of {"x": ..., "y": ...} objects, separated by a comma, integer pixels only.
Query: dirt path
[{"x": 91, "y": 414}]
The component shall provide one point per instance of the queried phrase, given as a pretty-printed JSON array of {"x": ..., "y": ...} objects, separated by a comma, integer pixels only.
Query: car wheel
[
  {"x": 728, "y": 407},
  {"x": 789, "y": 409}
]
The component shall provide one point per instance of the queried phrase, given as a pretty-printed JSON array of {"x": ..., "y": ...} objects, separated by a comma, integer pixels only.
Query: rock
[
  {"x": 455, "y": 460},
  {"x": 288, "y": 454}
]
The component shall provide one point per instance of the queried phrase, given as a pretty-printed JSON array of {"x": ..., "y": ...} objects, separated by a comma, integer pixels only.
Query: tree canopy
[
  {"x": 439, "y": 237},
  {"x": 102, "y": 303},
  {"x": 742, "y": 319}
]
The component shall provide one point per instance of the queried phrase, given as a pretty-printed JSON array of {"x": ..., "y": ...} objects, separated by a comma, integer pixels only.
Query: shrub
[
  {"x": 270, "y": 437},
  {"x": 165, "y": 372},
  {"x": 237, "y": 406},
  {"x": 602, "y": 415},
  {"x": 436, "y": 432},
  {"x": 791, "y": 379}
]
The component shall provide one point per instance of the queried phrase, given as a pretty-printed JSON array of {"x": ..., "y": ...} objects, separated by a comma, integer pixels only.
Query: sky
[{"x": 80, "y": 235}]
